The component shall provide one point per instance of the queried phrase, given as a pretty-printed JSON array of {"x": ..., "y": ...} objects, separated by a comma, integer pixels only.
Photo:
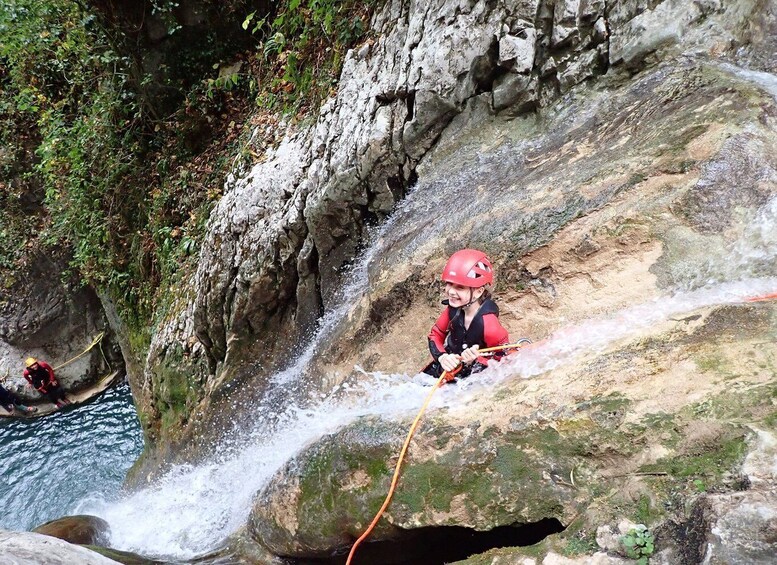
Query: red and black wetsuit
[
  {"x": 449, "y": 335},
  {"x": 43, "y": 380}
]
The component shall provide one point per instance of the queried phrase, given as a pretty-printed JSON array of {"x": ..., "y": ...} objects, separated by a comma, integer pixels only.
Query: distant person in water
[
  {"x": 10, "y": 401},
  {"x": 470, "y": 320},
  {"x": 41, "y": 377}
]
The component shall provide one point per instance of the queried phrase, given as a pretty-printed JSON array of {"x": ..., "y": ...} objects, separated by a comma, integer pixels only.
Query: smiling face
[{"x": 458, "y": 295}]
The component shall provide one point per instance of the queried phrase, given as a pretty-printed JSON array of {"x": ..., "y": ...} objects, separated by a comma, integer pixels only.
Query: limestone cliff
[{"x": 624, "y": 414}]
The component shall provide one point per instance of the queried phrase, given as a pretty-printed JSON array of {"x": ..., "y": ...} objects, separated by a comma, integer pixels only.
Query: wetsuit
[
  {"x": 7, "y": 399},
  {"x": 449, "y": 335},
  {"x": 43, "y": 380}
]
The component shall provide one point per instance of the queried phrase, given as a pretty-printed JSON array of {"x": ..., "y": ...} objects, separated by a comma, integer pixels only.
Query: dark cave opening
[{"x": 440, "y": 544}]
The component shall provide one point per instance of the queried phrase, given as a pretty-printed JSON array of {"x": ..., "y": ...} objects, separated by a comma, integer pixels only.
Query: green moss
[
  {"x": 712, "y": 463},
  {"x": 500, "y": 477},
  {"x": 507, "y": 485},
  {"x": 770, "y": 421},
  {"x": 644, "y": 513},
  {"x": 714, "y": 363},
  {"x": 328, "y": 503},
  {"x": 377, "y": 468},
  {"x": 751, "y": 405},
  {"x": 662, "y": 426},
  {"x": 515, "y": 464},
  {"x": 175, "y": 391},
  {"x": 585, "y": 545}
]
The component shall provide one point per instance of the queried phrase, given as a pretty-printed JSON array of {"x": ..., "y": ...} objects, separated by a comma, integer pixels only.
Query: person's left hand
[{"x": 470, "y": 354}]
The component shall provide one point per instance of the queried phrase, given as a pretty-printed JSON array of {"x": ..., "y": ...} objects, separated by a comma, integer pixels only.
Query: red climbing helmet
[{"x": 468, "y": 267}]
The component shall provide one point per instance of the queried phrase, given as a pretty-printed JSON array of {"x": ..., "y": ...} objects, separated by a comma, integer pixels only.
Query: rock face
[
  {"x": 43, "y": 317},
  {"x": 744, "y": 524},
  {"x": 284, "y": 230},
  {"x": 615, "y": 433},
  {"x": 22, "y": 548},
  {"x": 611, "y": 200},
  {"x": 472, "y": 478}
]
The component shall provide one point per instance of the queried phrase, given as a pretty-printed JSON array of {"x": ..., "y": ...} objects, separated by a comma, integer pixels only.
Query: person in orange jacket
[
  {"x": 471, "y": 320},
  {"x": 41, "y": 377}
]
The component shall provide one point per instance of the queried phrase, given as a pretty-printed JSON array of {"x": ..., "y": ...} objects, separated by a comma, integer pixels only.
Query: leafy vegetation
[
  {"x": 639, "y": 544},
  {"x": 92, "y": 164},
  {"x": 80, "y": 146},
  {"x": 301, "y": 45}
]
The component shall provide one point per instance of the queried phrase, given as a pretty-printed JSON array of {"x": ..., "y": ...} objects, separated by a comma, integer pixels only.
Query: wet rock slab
[
  {"x": 26, "y": 548},
  {"x": 81, "y": 530}
]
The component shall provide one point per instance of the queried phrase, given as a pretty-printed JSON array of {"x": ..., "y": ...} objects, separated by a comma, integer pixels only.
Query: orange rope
[
  {"x": 760, "y": 298},
  {"x": 444, "y": 377}
]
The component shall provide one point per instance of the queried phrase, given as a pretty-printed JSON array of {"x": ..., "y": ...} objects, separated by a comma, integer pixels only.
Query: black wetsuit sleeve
[{"x": 7, "y": 398}]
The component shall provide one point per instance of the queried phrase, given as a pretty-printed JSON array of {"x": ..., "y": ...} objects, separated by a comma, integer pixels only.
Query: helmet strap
[{"x": 472, "y": 300}]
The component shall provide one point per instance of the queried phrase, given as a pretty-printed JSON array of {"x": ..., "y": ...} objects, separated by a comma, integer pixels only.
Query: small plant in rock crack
[{"x": 639, "y": 544}]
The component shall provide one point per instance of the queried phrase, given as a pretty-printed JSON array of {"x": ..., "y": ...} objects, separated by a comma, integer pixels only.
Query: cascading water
[{"x": 192, "y": 509}]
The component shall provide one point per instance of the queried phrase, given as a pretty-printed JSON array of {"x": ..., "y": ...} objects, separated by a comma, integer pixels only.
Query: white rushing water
[{"x": 192, "y": 509}]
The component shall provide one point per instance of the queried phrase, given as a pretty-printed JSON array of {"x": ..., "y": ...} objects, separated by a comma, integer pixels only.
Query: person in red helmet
[
  {"x": 471, "y": 319},
  {"x": 41, "y": 377}
]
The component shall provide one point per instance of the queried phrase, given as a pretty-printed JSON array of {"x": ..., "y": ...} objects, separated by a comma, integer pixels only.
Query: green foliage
[
  {"x": 302, "y": 46},
  {"x": 83, "y": 166},
  {"x": 89, "y": 165},
  {"x": 644, "y": 511},
  {"x": 62, "y": 101},
  {"x": 165, "y": 8},
  {"x": 709, "y": 465},
  {"x": 639, "y": 544},
  {"x": 257, "y": 25}
]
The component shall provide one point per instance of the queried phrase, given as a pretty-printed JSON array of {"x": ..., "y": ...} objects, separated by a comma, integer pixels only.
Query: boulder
[
  {"x": 24, "y": 548},
  {"x": 81, "y": 530},
  {"x": 472, "y": 478}
]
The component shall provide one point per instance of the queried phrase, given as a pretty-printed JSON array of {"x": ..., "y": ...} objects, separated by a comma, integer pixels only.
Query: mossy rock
[{"x": 325, "y": 497}]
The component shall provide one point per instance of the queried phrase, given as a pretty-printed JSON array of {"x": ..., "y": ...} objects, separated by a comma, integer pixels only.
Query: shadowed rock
[{"x": 81, "y": 529}]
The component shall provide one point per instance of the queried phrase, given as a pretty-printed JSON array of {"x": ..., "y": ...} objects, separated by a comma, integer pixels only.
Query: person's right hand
[{"x": 449, "y": 361}]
